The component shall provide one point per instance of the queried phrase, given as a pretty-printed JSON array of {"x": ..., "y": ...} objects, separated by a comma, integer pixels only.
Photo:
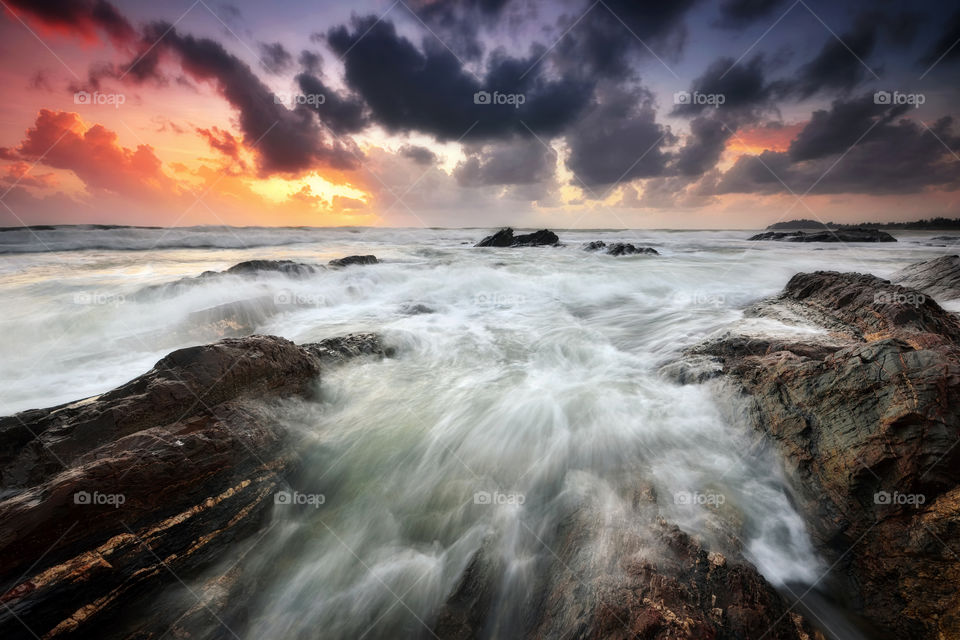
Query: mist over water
[{"x": 526, "y": 389}]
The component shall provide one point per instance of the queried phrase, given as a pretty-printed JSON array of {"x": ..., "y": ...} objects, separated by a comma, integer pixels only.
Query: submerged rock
[
  {"x": 287, "y": 268},
  {"x": 619, "y": 248},
  {"x": 350, "y": 260},
  {"x": 107, "y": 500},
  {"x": 643, "y": 578},
  {"x": 939, "y": 278},
  {"x": 505, "y": 238},
  {"x": 834, "y": 235},
  {"x": 867, "y": 422}
]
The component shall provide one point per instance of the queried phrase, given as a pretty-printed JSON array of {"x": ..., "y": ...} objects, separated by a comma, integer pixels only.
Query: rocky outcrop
[
  {"x": 619, "y": 248},
  {"x": 351, "y": 260},
  {"x": 832, "y": 235},
  {"x": 505, "y": 238},
  {"x": 867, "y": 422},
  {"x": 644, "y": 578},
  {"x": 249, "y": 268},
  {"x": 108, "y": 499},
  {"x": 939, "y": 278}
]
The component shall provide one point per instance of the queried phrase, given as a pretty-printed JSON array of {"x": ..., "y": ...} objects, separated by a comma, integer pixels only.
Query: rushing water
[{"x": 526, "y": 376}]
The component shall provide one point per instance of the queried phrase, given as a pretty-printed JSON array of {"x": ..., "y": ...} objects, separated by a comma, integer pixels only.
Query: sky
[{"x": 477, "y": 113}]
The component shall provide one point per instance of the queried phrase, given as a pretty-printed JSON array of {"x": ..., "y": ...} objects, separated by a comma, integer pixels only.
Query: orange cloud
[
  {"x": 60, "y": 139},
  {"x": 773, "y": 137}
]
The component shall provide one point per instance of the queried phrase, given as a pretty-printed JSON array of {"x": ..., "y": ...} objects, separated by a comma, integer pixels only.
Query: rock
[
  {"x": 350, "y": 260},
  {"x": 505, "y": 238},
  {"x": 939, "y": 278},
  {"x": 109, "y": 499},
  {"x": 867, "y": 423},
  {"x": 645, "y": 578},
  {"x": 833, "y": 235},
  {"x": 619, "y": 248},
  {"x": 231, "y": 319},
  {"x": 249, "y": 268}
]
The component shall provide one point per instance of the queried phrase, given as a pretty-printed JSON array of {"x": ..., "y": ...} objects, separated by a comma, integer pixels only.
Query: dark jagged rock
[
  {"x": 647, "y": 579},
  {"x": 833, "y": 235},
  {"x": 619, "y": 248},
  {"x": 105, "y": 500},
  {"x": 505, "y": 238},
  {"x": 351, "y": 260},
  {"x": 867, "y": 422},
  {"x": 939, "y": 278},
  {"x": 249, "y": 268}
]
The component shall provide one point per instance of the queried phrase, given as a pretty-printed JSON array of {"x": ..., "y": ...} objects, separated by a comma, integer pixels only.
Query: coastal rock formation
[
  {"x": 646, "y": 579},
  {"x": 866, "y": 419},
  {"x": 287, "y": 268},
  {"x": 106, "y": 500},
  {"x": 351, "y": 260},
  {"x": 619, "y": 248},
  {"x": 833, "y": 235},
  {"x": 505, "y": 238},
  {"x": 939, "y": 278}
]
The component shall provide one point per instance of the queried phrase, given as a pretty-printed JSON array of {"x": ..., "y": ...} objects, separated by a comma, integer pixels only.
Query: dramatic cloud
[
  {"x": 428, "y": 91},
  {"x": 946, "y": 49},
  {"x": 521, "y": 161},
  {"x": 420, "y": 155},
  {"x": 740, "y": 88},
  {"x": 841, "y": 63},
  {"x": 341, "y": 114},
  {"x": 736, "y": 14},
  {"x": 61, "y": 140},
  {"x": 274, "y": 57},
  {"x": 84, "y": 17},
  {"x": 831, "y": 132},
  {"x": 700, "y": 153},
  {"x": 618, "y": 139}
]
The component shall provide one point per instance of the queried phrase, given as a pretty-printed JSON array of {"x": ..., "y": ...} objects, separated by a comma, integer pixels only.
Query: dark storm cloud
[
  {"x": 841, "y": 63},
  {"x": 736, "y": 14},
  {"x": 274, "y": 57},
  {"x": 457, "y": 23},
  {"x": 420, "y": 155},
  {"x": 310, "y": 61},
  {"x": 700, "y": 153},
  {"x": 520, "y": 161},
  {"x": 286, "y": 140},
  {"x": 831, "y": 132},
  {"x": 618, "y": 139},
  {"x": 341, "y": 114},
  {"x": 609, "y": 32},
  {"x": 894, "y": 157},
  {"x": 742, "y": 85},
  {"x": 85, "y": 16},
  {"x": 946, "y": 48},
  {"x": 429, "y": 91}
]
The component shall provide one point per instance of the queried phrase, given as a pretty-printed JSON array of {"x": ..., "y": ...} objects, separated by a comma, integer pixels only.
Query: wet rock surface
[
  {"x": 249, "y": 268},
  {"x": 834, "y": 235},
  {"x": 109, "y": 499},
  {"x": 619, "y": 248},
  {"x": 505, "y": 238},
  {"x": 650, "y": 580},
  {"x": 866, "y": 419},
  {"x": 939, "y": 278},
  {"x": 352, "y": 260}
]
